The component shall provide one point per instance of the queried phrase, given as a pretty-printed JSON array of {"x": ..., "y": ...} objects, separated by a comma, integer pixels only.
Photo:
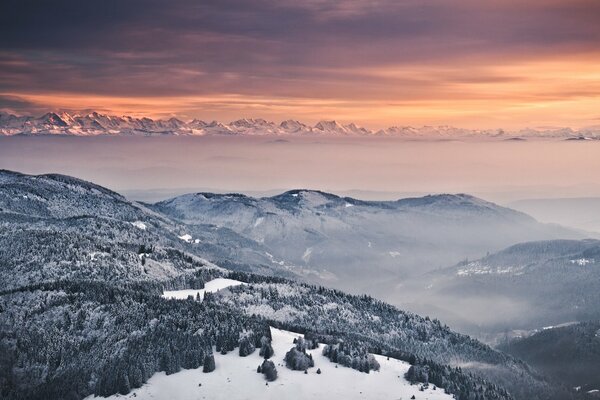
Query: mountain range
[
  {"x": 362, "y": 246},
  {"x": 81, "y": 311},
  {"x": 94, "y": 123}
]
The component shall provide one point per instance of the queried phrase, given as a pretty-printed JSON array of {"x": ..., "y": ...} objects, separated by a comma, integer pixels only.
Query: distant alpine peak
[{"x": 93, "y": 123}]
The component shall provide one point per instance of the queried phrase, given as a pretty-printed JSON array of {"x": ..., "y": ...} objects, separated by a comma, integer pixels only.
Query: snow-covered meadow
[
  {"x": 235, "y": 378},
  {"x": 212, "y": 286}
]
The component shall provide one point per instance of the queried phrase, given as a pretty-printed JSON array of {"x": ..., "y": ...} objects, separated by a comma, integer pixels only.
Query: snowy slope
[
  {"x": 236, "y": 378},
  {"x": 212, "y": 286}
]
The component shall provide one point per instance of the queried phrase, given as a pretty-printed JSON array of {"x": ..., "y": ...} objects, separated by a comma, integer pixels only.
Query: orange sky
[{"x": 500, "y": 64}]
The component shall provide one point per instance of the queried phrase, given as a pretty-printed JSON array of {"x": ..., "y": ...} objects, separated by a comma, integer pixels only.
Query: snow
[
  {"x": 349, "y": 205},
  {"x": 307, "y": 254},
  {"x": 259, "y": 221},
  {"x": 186, "y": 238},
  {"x": 582, "y": 262},
  {"x": 479, "y": 268},
  {"x": 212, "y": 286},
  {"x": 139, "y": 225},
  {"x": 236, "y": 378}
]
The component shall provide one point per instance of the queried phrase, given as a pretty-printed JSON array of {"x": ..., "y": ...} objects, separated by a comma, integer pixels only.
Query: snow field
[{"x": 212, "y": 286}]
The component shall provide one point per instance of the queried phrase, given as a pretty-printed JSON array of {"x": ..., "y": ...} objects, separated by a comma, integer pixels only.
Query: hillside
[
  {"x": 234, "y": 373},
  {"x": 364, "y": 246},
  {"x": 76, "y": 229},
  {"x": 82, "y": 312},
  {"x": 524, "y": 287},
  {"x": 569, "y": 354}
]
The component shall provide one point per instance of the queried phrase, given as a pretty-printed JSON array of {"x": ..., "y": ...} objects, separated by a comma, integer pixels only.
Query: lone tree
[
  {"x": 209, "y": 363},
  {"x": 269, "y": 370},
  {"x": 246, "y": 347},
  {"x": 266, "y": 350}
]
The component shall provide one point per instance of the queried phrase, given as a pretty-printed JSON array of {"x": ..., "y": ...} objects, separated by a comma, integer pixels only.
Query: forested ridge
[{"x": 82, "y": 270}]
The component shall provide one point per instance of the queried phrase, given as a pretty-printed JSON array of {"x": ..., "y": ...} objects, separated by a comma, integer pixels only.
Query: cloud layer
[{"x": 470, "y": 63}]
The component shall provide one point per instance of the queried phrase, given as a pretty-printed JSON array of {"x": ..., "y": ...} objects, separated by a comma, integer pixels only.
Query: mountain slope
[
  {"x": 78, "y": 228},
  {"x": 526, "y": 286},
  {"x": 81, "y": 312},
  {"x": 333, "y": 383},
  {"x": 364, "y": 245},
  {"x": 569, "y": 354}
]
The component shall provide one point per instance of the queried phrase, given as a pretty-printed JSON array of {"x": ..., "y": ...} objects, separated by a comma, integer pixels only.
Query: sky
[{"x": 379, "y": 63}]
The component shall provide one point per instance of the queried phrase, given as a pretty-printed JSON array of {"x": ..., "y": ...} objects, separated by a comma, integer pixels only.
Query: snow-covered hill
[
  {"x": 82, "y": 273},
  {"x": 365, "y": 246},
  {"x": 235, "y": 378},
  {"x": 92, "y": 124},
  {"x": 523, "y": 287}
]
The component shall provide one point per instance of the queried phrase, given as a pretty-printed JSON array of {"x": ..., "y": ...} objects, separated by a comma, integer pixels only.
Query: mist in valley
[
  {"x": 400, "y": 257},
  {"x": 156, "y": 168}
]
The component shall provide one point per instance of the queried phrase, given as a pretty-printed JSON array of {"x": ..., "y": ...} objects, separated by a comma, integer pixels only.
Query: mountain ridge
[
  {"x": 96, "y": 124},
  {"x": 92, "y": 267}
]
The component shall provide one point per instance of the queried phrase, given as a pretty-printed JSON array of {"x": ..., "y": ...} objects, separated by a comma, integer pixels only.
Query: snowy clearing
[
  {"x": 212, "y": 286},
  {"x": 139, "y": 225},
  {"x": 186, "y": 238},
  {"x": 235, "y": 378}
]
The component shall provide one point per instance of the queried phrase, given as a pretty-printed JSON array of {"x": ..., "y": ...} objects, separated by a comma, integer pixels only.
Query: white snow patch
[
  {"x": 349, "y": 205},
  {"x": 582, "y": 262},
  {"x": 479, "y": 268},
  {"x": 186, "y": 238},
  {"x": 94, "y": 255},
  {"x": 258, "y": 221},
  {"x": 394, "y": 254},
  {"x": 212, "y": 286},
  {"x": 236, "y": 378},
  {"x": 139, "y": 225},
  {"x": 307, "y": 254}
]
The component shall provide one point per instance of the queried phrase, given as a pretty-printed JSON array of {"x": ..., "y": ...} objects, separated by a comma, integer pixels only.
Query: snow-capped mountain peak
[{"x": 94, "y": 123}]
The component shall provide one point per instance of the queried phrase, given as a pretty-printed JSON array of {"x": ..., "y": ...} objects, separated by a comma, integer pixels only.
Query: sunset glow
[{"x": 496, "y": 64}]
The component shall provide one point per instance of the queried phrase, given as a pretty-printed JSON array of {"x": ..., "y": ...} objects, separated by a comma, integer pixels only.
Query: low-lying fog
[{"x": 153, "y": 168}]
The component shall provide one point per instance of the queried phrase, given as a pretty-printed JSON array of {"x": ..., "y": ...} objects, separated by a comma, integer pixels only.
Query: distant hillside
[
  {"x": 524, "y": 287},
  {"x": 569, "y": 354},
  {"x": 364, "y": 246}
]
